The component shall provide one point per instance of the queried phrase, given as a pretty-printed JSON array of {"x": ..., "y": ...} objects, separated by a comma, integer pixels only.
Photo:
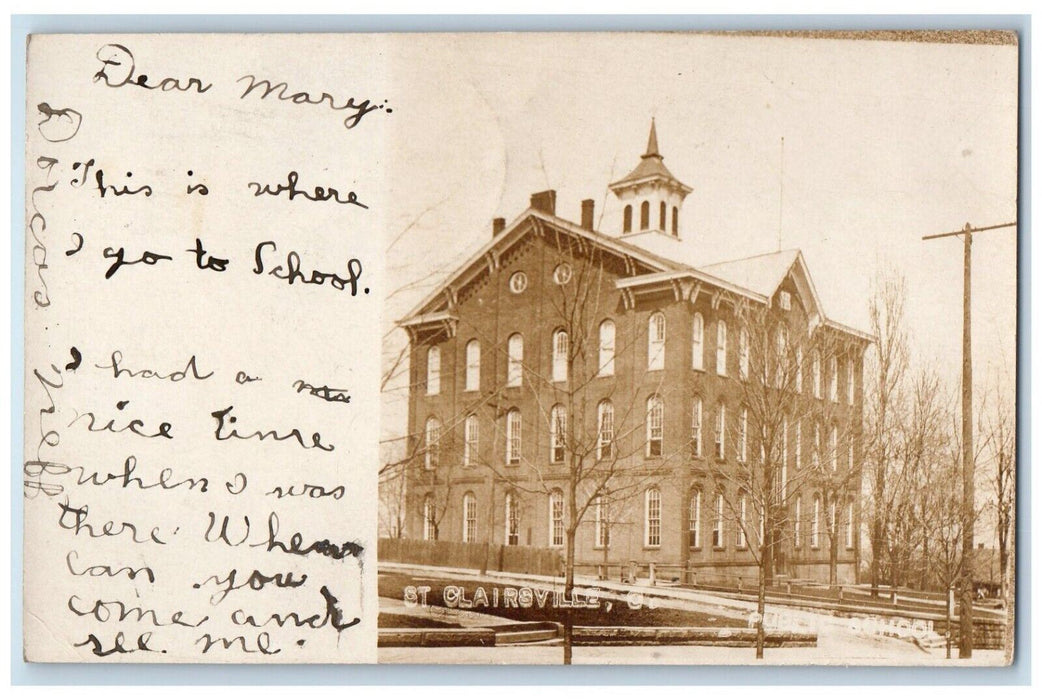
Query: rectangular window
[
  {"x": 740, "y": 534},
  {"x": 473, "y": 378},
  {"x": 556, "y": 519},
  {"x": 799, "y": 370},
  {"x": 833, "y": 380},
  {"x": 513, "y": 519},
  {"x": 558, "y": 432},
  {"x": 433, "y": 371},
  {"x": 470, "y": 440},
  {"x": 697, "y": 345},
  {"x": 743, "y": 435},
  {"x": 560, "y": 357},
  {"x": 654, "y": 427},
  {"x": 696, "y": 428},
  {"x": 606, "y": 363},
  {"x": 718, "y": 522},
  {"x": 850, "y": 525},
  {"x": 721, "y": 348},
  {"x": 605, "y": 429},
  {"x": 470, "y": 518},
  {"x": 815, "y": 523},
  {"x": 602, "y": 522},
  {"x": 694, "y": 518},
  {"x": 515, "y": 359},
  {"x": 850, "y": 382},
  {"x": 743, "y": 353},
  {"x": 656, "y": 341},
  {"x": 796, "y": 523},
  {"x": 653, "y": 518},
  {"x": 514, "y": 437},
  {"x": 797, "y": 462},
  {"x": 720, "y": 434}
]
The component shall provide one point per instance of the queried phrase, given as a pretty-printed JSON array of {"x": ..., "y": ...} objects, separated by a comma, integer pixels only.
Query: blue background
[{"x": 271, "y": 674}]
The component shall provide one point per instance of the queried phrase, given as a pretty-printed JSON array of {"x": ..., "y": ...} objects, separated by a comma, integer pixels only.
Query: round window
[
  {"x": 563, "y": 273},
  {"x": 518, "y": 282}
]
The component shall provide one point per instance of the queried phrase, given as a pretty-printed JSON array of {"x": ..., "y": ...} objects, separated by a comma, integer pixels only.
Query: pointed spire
[{"x": 652, "y": 151}]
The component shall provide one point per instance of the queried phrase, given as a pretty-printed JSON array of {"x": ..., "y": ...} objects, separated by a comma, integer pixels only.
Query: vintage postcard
[{"x": 599, "y": 348}]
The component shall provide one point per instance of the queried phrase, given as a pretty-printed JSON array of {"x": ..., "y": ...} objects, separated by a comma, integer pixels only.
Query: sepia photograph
[{"x": 700, "y": 348}]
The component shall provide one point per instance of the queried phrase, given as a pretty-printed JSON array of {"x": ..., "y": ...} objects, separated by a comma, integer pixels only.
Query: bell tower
[{"x": 651, "y": 197}]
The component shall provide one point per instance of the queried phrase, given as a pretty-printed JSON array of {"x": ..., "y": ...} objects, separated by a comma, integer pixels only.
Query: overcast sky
[{"x": 884, "y": 142}]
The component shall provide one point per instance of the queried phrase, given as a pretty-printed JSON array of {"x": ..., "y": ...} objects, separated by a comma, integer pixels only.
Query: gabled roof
[
  {"x": 523, "y": 225},
  {"x": 764, "y": 273},
  {"x": 759, "y": 273}
]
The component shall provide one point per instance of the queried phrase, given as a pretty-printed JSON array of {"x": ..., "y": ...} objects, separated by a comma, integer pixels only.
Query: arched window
[
  {"x": 515, "y": 359},
  {"x": 606, "y": 356},
  {"x": 833, "y": 379},
  {"x": 652, "y": 517},
  {"x": 627, "y": 219},
  {"x": 815, "y": 373},
  {"x": 676, "y": 221},
  {"x": 558, "y": 433},
  {"x": 797, "y": 514},
  {"x": 815, "y": 522},
  {"x": 850, "y": 382},
  {"x": 433, "y": 371},
  {"x": 602, "y": 523},
  {"x": 653, "y": 426},
  {"x": 694, "y": 520},
  {"x": 696, "y": 427},
  {"x": 473, "y": 379},
  {"x": 645, "y": 216},
  {"x": 799, "y": 369},
  {"x": 432, "y": 443},
  {"x": 697, "y": 344},
  {"x": 513, "y": 520},
  {"x": 720, "y": 431},
  {"x": 656, "y": 340},
  {"x": 605, "y": 429},
  {"x": 470, "y": 440},
  {"x": 850, "y": 524},
  {"x": 430, "y": 522},
  {"x": 718, "y": 521},
  {"x": 470, "y": 517},
  {"x": 721, "y": 348},
  {"x": 556, "y": 518},
  {"x": 743, "y": 352},
  {"x": 560, "y": 356},
  {"x": 513, "y": 436},
  {"x": 833, "y": 449},
  {"x": 742, "y": 523},
  {"x": 743, "y": 434},
  {"x": 662, "y": 216}
]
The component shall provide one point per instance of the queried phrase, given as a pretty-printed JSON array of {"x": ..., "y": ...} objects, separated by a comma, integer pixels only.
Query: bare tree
[
  {"x": 787, "y": 384},
  {"x": 999, "y": 432},
  {"x": 888, "y": 363}
]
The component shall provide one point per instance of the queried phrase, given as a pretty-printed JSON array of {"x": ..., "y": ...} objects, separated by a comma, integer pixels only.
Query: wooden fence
[{"x": 465, "y": 555}]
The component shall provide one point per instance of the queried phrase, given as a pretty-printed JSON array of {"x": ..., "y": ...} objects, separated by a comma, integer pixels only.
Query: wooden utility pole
[{"x": 968, "y": 495}]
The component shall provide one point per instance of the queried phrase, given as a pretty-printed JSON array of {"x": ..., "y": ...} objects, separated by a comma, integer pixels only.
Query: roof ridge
[{"x": 753, "y": 257}]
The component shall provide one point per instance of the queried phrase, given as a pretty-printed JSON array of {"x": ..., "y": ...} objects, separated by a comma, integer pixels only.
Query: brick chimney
[
  {"x": 587, "y": 214},
  {"x": 545, "y": 201},
  {"x": 498, "y": 224}
]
